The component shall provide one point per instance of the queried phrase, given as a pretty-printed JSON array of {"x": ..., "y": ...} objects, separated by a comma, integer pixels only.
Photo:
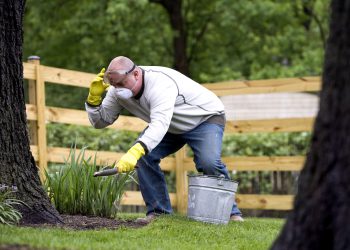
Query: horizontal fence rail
[
  {"x": 234, "y": 163},
  {"x": 245, "y": 201},
  {"x": 38, "y": 115},
  {"x": 303, "y": 84},
  {"x": 79, "y": 117},
  {"x": 81, "y": 79},
  {"x": 58, "y": 155}
]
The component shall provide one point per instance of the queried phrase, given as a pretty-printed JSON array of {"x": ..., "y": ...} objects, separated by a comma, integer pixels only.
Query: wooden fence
[{"x": 38, "y": 115}]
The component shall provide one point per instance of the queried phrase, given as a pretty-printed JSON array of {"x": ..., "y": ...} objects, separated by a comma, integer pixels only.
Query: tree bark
[
  {"x": 17, "y": 165},
  {"x": 173, "y": 8},
  {"x": 321, "y": 215}
]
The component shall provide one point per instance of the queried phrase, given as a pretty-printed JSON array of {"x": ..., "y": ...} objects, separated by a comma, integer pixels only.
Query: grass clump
[
  {"x": 9, "y": 215},
  {"x": 74, "y": 190}
]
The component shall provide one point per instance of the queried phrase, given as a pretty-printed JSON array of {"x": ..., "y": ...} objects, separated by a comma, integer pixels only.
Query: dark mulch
[
  {"x": 81, "y": 222},
  {"x": 18, "y": 247}
]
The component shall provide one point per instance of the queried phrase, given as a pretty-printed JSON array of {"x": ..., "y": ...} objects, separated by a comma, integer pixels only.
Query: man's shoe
[
  {"x": 236, "y": 218},
  {"x": 145, "y": 220}
]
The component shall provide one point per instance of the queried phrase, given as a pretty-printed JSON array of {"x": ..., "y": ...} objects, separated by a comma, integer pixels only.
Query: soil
[
  {"x": 81, "y": 222},
  {"x": 18, "y": 247}
]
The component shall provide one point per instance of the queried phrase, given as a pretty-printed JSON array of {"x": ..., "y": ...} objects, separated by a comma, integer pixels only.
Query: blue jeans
[{"x": 205, "y": 141}]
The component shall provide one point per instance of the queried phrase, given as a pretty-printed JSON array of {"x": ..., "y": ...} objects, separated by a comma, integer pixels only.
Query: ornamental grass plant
[
  {"x": 73, "y": 189},
  {"x": 9, "y": 215}
]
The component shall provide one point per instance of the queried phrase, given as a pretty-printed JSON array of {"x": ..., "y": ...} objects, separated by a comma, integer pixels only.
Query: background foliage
[{"x": 224, "y": 39}]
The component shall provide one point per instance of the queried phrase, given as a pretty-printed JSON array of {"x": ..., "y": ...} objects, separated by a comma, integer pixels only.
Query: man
[{"x": 178, "y": 110}]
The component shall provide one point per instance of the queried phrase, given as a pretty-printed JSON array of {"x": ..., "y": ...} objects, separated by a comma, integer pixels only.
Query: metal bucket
[{"x": 210, "y": 198}]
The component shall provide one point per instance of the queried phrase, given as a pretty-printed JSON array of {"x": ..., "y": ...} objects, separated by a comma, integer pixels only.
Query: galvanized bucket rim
[{"x": 212, "y": 177}]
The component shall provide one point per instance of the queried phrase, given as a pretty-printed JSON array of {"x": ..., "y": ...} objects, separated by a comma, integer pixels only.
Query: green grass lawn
[{"x": 167, "y": 232}]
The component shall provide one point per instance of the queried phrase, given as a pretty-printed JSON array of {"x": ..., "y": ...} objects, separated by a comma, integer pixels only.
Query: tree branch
[{"x": 198, "y": 37}]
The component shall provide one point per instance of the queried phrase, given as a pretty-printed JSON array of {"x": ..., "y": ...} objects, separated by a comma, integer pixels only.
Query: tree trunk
[
  {"x": 173, "y": 8},
  {"x": 17, "y": 165},
  {"x": 321, "y": 215}
]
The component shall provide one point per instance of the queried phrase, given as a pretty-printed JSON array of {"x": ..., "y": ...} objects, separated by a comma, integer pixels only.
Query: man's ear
[{"x": 137, "y": 74}]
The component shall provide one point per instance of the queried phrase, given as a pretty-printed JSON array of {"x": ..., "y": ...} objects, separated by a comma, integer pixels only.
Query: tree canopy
[
  {"x": 223, "y": 39},
  {"x": 219, "y": 39}
]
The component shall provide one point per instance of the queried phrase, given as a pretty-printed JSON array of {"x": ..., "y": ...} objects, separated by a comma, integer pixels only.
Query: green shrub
[
  {"x": 266, "y": 144},
  {"x": 8, "y": 213},
  {"x": 252, "y": 144},
  {"x": 60, "y": 135},
  {"x": 74, "y": 190}
]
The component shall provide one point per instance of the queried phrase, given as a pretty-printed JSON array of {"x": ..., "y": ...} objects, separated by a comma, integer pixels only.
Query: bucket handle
[{"x": 221, "y": 180}]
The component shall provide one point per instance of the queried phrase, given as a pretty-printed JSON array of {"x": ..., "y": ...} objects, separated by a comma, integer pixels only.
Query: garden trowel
[{"x": 106, "y": 171}]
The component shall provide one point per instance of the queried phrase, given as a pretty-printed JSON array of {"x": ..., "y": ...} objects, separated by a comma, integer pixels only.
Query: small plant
[
  {"x": 8, "y": 213},
  {"x": 74, "y": 190}
]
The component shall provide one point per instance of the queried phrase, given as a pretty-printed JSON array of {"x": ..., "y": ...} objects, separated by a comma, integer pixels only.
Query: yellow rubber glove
[
  {"x": 97, "y": 87},
  {"x": 128, "y": 161}
]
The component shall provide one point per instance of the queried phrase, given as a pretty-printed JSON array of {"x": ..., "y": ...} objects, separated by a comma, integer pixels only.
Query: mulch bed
[
  {"x": 81, "y": 222},
  {"x": 18, "y": 247}
]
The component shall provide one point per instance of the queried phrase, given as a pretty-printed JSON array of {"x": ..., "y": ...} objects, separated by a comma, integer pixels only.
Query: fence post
[
  {"x": 181, "y": 181},
  {"x": 33, "y": 127},
  {"x": 38, "y": 128}
]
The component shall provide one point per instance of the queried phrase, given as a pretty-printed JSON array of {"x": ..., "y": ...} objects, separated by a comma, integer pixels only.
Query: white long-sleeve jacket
[{"x": 170, "y": 101}]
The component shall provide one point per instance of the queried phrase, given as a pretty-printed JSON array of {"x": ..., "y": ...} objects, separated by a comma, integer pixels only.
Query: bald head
[
  {"x": 123, "y": 73},
  {"x": 120, "y": 63}
]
